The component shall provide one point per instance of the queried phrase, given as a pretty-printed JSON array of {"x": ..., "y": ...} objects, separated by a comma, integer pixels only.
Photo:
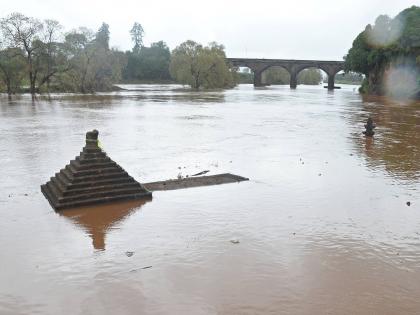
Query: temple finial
[{"x": 92, "y": 138}]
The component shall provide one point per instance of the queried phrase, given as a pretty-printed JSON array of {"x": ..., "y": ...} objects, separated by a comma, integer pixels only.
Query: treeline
[
  {"x": 388, "y": 54},
  {"x": 36, "y": 56},
  {"x": 39, "y": 56}
]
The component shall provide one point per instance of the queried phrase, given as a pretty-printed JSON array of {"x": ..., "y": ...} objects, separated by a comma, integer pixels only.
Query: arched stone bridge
[{"x": 258, "y": 66}]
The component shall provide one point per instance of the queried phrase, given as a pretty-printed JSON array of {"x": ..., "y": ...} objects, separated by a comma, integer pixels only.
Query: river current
[{"x": 329, "y": 222}]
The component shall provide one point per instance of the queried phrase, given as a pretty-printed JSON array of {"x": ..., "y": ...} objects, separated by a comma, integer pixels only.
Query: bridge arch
[
  {"x": 330, "y": 70},
  {"x": 258, "y": 66},
  {"x": 266, "y": 72}
]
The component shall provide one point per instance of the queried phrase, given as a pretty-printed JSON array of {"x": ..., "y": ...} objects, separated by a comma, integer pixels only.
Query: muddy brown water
[{"x": 323, "y": 225}]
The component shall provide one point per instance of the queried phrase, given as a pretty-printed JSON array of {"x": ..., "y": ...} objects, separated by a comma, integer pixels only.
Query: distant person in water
[{"x": 369, "y": 128}]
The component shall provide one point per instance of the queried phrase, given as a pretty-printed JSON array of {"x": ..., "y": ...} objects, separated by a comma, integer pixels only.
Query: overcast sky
[{"x": 296, "y": 29}]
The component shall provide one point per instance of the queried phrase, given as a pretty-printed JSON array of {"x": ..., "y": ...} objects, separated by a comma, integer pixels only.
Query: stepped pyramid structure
[{"x": 91, "y": 178}]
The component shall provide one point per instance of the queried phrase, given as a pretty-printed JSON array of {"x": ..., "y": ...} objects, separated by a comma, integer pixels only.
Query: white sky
[{"x": 295, "y": 29}]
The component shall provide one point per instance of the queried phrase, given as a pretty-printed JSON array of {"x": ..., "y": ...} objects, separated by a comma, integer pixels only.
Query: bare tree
[{"x": 51, "y": 35}]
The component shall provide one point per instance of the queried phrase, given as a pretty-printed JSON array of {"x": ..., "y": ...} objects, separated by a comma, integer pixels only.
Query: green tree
[
  {"x": 23, "y": 32},
  {"x": 310, "y": 76},
  {"x": 137, "y": 34},
  {"x": 12, "y": 69},
  {"x": 51, "y": 58},
  {"x": 92, "y": 66},
  {"x": 388, "y": 44},
  {"x": 277, "y": 75},
  {"x": 201, "y": 67},
  {"x": 102, "y": 36},
  {"x": 148, "y": 64}
]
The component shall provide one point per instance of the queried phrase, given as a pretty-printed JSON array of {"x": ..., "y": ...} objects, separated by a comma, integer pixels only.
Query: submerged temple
[{"x": 91, "y": 178}]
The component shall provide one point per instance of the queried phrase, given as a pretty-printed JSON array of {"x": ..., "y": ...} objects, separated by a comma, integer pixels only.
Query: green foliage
[
  {"x": 201, "y": 66},
  {"x": 310, "y": 76},
  {"x": 92, "y": 67},
  {"x": 276, "y": 75},
  {"x": 22, "y": 32},
  {"x": 137, "y": 34},
  {"x": 12, "y": 66},
  {"x": 349, "y": 78},
  {"x": 79, "y": 62},
  {"x": 388, "y": 43},
  {"x": 148, "y": 63},
  {"x": 102, "y": 36},
  {"x": 244, "y": 77},
  {"x": 280, "y": 76},
  {"x": 38, "y": 54}
]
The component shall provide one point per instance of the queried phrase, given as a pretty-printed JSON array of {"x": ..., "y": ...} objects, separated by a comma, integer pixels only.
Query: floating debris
[
  {"x": 129, "y": 254},
  {"x": 201, "y": 173},
  {"x": 146, "y": 267}
]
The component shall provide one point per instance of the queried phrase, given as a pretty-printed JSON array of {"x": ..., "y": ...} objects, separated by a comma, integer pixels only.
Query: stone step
[
  {"x": 58, "y": 183},
  {"x": 92, "y": 161},
  {"x": 98, "y": 171},
  {"x": 67, "y": 175},
  {"x": 55, "y": 190},
  {"x": 87, "y": 202},
  {"x": 84, "y": 166},
  {"x": 88, "y": 156},
  {"x": 102, "y": 194},
  {"x": 92, "y": 150},
  {"x": 97, "y": 177},
  {"x": 109, "y": 181},
  {"x": 100, "y": 188},
  {"x": 64, "y": 181},
  {"x": 49, "y": 195}
]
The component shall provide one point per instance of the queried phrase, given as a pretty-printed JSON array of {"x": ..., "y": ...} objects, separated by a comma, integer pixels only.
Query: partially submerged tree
[
  {"x": 389, "y": 49},
  {"x": 23, "y": 32},
  {"x": 12, "y": 69},
  {"x": 51, "y": 56},
  {"x": 201, "y": 67},
  {"x": 148, "y": 64},
  {"x": 92, "y": 67}
]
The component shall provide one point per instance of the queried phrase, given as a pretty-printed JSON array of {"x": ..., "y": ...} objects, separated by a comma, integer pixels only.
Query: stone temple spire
[{"x": 91, "y": 178}]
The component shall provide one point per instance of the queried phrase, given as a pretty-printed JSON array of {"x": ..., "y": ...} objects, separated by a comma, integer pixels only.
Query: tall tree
[
  {"x": 201, "y": 67},
  {"x": 52, "y": 59},
  {"x": 93, "y": 67},
  {"x": 149, "y": 64},
  {"x": 387, "y": 50},
  {"x": 137, "y": 34},
  {"x": 102, "y": 36},
  {"x": 23, "y": 32},
  {"x": 12, "y": 66}
]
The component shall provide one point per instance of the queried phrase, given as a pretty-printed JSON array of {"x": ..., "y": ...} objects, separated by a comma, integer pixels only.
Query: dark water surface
[{"x": 323, "y": 225}]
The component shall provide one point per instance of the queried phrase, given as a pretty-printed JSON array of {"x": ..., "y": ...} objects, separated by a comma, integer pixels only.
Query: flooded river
[{"x": 323, "y": 224}]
